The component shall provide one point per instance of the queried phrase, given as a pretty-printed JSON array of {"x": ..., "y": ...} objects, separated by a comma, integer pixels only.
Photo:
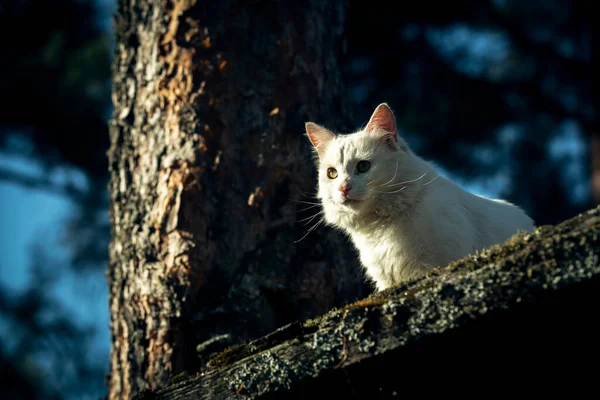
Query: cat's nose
[{"x": 345, "y": 188}]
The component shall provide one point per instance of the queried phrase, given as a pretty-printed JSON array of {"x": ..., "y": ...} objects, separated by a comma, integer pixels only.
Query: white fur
[{"x": 428, "y": 221}]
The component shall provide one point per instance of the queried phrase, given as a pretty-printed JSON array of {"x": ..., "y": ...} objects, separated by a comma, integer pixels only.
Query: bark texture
[
  {"x": 208, "y": 160},
  {"x": 514, "y": 318}
]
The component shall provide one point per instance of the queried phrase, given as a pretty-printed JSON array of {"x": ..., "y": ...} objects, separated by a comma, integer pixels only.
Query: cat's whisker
[
  {"x": 308, "y": 208},
  {"x": 411, "y": 181},
  {"x": 316, "y": 225},
  {"x": 312, "y": 228},
  {"x": 393, "y": 191},
  {"x": 431, "y": 180},
  {"x": 309, "y": 195},
  {"x": 305, "y": 202},
  {"x": 309, "y": 221},
  {"x": 310, "y": 218},
  {"x": 394, "y": 177}
]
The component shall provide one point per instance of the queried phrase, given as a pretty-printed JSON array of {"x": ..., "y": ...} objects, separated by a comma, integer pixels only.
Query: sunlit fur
[{"x": 405, "y": 219}]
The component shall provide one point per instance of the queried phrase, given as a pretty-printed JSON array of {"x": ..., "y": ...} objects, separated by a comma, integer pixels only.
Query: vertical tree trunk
[{"x": 207, "y": 157}]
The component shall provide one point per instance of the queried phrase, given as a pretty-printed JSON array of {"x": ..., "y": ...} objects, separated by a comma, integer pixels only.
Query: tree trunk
[{"x": 208, "y": 158}]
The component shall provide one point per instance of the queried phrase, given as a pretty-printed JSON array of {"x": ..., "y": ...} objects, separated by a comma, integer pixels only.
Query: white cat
[{"x": 403, "y": 217}]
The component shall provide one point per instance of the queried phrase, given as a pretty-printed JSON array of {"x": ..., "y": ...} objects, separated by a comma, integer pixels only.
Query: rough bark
[
  {"x": 208, "y": 161},
  {"x": 518, "y": 317}
]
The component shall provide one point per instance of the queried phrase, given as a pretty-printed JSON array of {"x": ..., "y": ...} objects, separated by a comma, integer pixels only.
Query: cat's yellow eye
[
  {"x": 363, "y": 166},
  {"x": 332, "y": 173}
]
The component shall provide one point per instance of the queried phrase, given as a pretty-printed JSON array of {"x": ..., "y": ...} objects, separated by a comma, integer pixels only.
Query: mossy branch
[{"x": 539, "y": 285}]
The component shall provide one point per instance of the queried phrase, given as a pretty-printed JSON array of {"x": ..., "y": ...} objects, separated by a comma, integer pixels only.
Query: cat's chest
[{"x": 384, "y": 246}]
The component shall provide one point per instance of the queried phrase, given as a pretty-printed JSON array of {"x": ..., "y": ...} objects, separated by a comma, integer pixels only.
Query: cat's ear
[
  {"x": 318, "y": 136},
  {"x": 383, "y": 124}
]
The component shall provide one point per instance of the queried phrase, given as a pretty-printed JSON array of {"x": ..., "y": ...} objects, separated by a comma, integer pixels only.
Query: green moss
[
  {"x": 179, "y": 378},
  {"x": 368, "y": 302},
  {"x": 313, "y": 322},
  {"x": 229, "y": 355},
  {"x": 240, "y": 351}
]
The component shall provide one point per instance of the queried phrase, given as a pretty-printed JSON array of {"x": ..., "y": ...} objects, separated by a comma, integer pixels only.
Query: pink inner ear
[
  {"x": 382, "y": 118},
  {"x": 314, "y": 138},
  {"x": 318, "y": 136},
  {"x": 384, "y": 122},
  {"x": 314, "y": 133}
]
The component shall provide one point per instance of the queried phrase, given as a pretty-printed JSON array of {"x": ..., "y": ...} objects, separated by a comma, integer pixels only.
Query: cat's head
[{"x": 361, "y": 173}]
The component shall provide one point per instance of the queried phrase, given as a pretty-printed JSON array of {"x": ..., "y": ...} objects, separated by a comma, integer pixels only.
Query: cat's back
[
  {"x": 496, "y": 220},
  {"x": 465, "y": 221}
]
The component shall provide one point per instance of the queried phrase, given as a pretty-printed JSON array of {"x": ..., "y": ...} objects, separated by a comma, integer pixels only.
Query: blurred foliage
[
  {"x": 55, "y": 77},
  {"x": 44, "y": 347},
  {"x": 495, "y": 92}
]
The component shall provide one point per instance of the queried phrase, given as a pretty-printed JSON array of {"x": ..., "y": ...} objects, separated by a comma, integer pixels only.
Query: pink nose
[{"x": 345, "y": 189}]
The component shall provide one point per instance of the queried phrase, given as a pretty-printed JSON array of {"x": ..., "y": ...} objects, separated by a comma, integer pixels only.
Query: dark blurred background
[{"x": 499, "y": 94}]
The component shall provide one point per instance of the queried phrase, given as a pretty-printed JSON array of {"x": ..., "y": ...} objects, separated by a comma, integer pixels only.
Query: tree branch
[{"x": 531, "y": 300}]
